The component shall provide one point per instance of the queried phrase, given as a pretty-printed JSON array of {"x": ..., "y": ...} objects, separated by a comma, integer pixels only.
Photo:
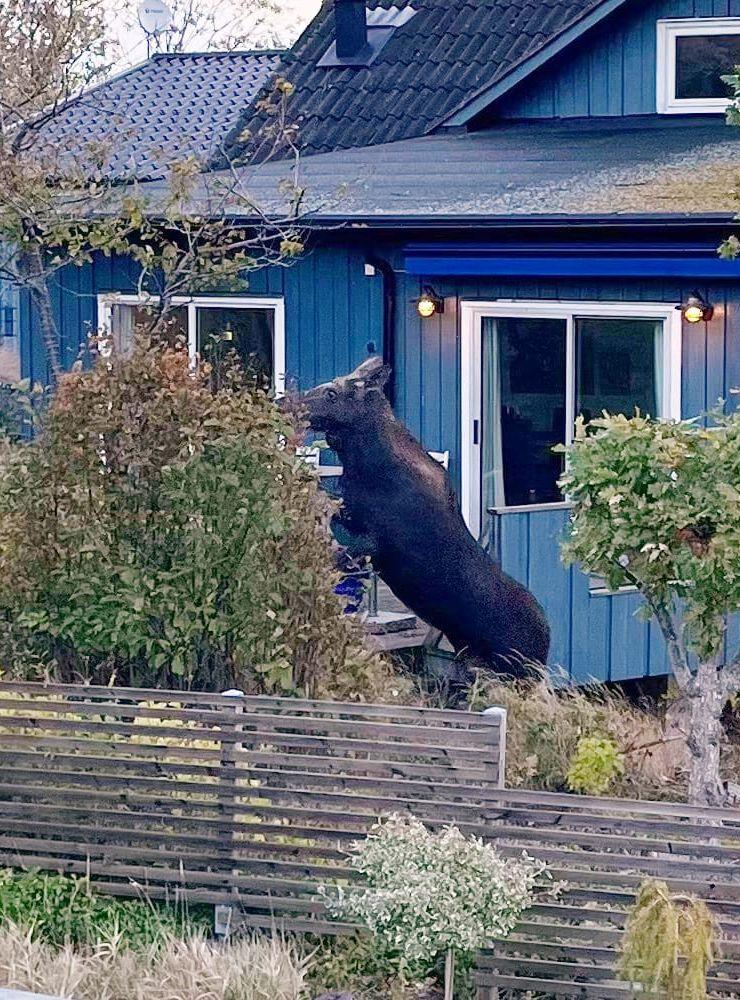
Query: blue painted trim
[
  {"x": 573, "y": 248},
  {"x": 436, "y": 265},
  {"x": 464, "y": 113}
]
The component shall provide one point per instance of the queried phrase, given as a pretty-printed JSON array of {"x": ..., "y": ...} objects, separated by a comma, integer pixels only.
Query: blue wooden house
[{"x": 519, "y": 203}]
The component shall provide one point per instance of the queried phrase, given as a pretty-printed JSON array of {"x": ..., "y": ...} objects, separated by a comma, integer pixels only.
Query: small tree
[
  {"x": 61, "y": 202},
  {"x": 430, "y": 894},
  {"x": 657, "y": 506}
]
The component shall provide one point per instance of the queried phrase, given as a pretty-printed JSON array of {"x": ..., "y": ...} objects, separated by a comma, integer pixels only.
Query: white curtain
[
  {"x": 492, "y": 473},
  {"x": 659, "y": 375},
  {"x": 122, "y": 319}
]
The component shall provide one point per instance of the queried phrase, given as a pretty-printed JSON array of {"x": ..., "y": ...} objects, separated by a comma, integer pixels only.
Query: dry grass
[
  {"x": 545, "y": 725},
  {"x": 195, "y": 968}
]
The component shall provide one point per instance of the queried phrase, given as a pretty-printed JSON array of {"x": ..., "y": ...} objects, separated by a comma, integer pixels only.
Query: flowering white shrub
[{"x": 428, "y": 893}]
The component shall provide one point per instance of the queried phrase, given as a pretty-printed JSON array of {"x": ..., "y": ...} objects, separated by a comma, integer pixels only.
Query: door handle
[{"x": 476, "y": 430}]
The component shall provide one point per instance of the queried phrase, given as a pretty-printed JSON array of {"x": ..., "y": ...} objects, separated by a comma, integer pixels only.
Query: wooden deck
[{"x": 391, "y": 637}]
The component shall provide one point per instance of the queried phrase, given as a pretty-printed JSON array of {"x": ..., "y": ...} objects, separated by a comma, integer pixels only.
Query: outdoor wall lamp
[
  {"x": 696, "y": 309},
  {"x": 429, "y": 303}
]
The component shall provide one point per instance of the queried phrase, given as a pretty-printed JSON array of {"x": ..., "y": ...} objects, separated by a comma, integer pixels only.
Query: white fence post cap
[
  {"x": 495, "y": 710},
  {"x": 233, "y": 693}
]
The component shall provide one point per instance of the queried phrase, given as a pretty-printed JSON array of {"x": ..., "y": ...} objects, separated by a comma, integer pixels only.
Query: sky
[{"x": 290, "y": 20}]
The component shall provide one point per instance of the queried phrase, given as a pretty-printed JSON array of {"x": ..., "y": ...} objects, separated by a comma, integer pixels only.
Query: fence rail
[{"x": 602, "y": 850}]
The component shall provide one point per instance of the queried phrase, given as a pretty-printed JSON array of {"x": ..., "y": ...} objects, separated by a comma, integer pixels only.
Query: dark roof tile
[
  {"x": 171, "y": 106},
  {"x": 450, "y": 47}
]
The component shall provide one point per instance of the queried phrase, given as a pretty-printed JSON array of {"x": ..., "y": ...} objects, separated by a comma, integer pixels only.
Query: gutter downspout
[{"x": 390, "y": 297}]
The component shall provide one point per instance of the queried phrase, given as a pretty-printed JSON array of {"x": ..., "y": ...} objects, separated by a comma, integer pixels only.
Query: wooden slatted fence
[
  {"x": 245, "y": 801},
  {"x": 252, "y": 802},
  {"x": 602, "y": 850}
]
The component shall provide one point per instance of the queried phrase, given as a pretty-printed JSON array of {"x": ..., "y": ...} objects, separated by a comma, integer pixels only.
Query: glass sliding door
[
  {"x": 530, "y": 368},
  {"x": 523, "y": 412}
]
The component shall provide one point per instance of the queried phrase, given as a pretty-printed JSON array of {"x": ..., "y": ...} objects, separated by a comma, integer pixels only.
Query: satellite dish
[{"x": 154, "y": 16}]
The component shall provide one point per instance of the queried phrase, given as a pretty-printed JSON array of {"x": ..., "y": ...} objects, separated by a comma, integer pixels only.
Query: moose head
[{"x": 349, "y": 399}]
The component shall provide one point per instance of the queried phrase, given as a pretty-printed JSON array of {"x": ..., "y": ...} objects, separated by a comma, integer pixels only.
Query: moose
[{"x": 399, "y": 508}]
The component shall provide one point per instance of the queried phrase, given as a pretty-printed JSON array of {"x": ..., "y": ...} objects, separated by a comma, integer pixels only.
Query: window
[
  {"x": 530, "y": 368},
  {"x": 693, "y": 56},
  {"x": 253, "y": 327},
  {"x": 10, "y": 355}
]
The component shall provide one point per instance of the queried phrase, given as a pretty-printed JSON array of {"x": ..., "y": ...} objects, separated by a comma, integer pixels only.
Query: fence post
[
  {"x": 226, "y": 806},
  {"x": 498, "y": 739},
  {"x": 496, "y": 712}
]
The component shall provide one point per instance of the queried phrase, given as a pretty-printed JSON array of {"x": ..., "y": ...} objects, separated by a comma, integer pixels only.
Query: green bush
[
  {"x": 161, "y": 531},
  {"x": 596, "y": 766},
  {"x": 425, "y": 894},
  {"x": 546, "y": 726},
  {"x": 64, "y": 909}
]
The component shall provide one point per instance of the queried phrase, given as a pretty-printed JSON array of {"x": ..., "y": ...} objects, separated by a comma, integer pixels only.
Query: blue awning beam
[{"x": 564, "y": 262}]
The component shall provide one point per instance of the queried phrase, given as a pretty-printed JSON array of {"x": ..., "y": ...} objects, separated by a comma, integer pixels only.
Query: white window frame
[
  {"x": 669, "y": 30},
  {"x": 473, "y": 313},
  {"x": 107, "y": 300}
]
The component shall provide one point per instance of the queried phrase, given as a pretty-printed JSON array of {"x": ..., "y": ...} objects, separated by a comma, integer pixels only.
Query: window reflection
[{"x": 618, "y": 366}]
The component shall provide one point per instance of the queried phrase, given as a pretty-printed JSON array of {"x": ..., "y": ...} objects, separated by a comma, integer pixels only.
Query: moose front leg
[{"x": 357, "y": 543}]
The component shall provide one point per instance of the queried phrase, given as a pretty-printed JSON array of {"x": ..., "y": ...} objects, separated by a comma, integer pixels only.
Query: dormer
[{"x": 624, "y": 58}]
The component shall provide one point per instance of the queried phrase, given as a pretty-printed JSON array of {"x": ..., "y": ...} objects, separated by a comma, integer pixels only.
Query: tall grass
[
  {"x": 189, "y": 968},
  {"x": 547, "y": 723}
]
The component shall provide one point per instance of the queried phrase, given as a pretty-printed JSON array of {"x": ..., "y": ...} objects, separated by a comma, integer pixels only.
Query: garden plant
[
  {"x": 670, "y": 943},
  {"x": 656, "y": 505},
  {"x": 178, "y": 539},
  {"x": 429, "y": 894}
]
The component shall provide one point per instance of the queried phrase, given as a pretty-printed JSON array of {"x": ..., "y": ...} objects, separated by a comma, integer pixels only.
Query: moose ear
[
  {"x": 380, "y": 377},
  {"x": 371, "y": 374}
]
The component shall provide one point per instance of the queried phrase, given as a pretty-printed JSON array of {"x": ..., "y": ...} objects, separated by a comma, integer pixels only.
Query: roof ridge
[{"x": 213, "y": 53}]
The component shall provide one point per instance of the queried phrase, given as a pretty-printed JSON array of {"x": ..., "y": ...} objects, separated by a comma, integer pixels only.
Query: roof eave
[
  {"x": 520, "y": 71},
  {"x": 339, "y": 223}
]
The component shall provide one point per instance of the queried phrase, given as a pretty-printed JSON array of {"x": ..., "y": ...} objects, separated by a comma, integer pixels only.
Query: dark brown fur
[{"x": 400, "y": 503}]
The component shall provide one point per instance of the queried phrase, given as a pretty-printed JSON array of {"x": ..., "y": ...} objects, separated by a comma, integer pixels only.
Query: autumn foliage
[{"x": 162, "y": 531}]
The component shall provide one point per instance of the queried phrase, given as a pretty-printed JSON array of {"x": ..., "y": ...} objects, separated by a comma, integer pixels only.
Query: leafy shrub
[
  {"x": 428, "y": 894},
  {"x": 545, "y": 726},
  {"x": 177, "y": 968},
  {"x": 596, "y": 765},
  {"x": 656, "y": 506},
  {"x": 176, "y": 538},
  {"x": 361, "y": 965},
  {"x": 669, "y": 944},
  {"x": 63, "y": 909},
  {"x": 21, "y": 406}
]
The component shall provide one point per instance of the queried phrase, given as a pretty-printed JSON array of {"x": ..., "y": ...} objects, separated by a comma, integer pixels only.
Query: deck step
[{"x": 388, "y": 622}]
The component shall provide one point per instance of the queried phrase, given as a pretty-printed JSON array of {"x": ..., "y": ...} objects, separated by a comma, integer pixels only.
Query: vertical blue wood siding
[
  {"x": 333, "y": 309},
  {"x": 594, "y": 635},
  {"x": 611, "y": 71},
  {"x": 428, "y": 351}
]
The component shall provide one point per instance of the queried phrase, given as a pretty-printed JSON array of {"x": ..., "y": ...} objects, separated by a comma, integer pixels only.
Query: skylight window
[{"x": 693, "y": 56}]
